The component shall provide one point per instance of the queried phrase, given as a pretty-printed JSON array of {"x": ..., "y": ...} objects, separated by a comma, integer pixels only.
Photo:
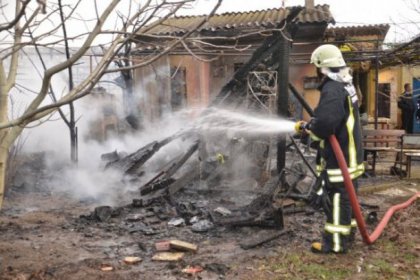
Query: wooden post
[{"x": 282, "y": 96}]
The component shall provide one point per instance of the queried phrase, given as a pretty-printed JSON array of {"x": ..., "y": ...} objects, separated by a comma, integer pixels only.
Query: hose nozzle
[{"x": 300, "y": 126}]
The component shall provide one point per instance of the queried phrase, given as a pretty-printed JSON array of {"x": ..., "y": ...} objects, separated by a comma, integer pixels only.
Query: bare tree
[{"x": 33, "y": 25}]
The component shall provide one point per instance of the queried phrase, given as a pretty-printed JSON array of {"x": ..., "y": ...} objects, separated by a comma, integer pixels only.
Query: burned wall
[{"x": 197, "y": 82}]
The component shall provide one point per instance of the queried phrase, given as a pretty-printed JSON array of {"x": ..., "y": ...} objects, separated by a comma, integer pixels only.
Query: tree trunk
[{"x": 4, "y": 153}]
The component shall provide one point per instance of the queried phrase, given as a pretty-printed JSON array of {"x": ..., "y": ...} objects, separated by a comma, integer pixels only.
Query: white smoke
[{"x": 88, "y": 179}]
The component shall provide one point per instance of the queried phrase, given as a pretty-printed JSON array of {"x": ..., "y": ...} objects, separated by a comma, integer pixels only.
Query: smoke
[
  {"x": 224, "y": 133},
  {"x": 90, "y": 180}
]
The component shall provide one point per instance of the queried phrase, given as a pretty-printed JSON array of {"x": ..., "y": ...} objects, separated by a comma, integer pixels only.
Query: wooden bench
[{"x": 381, "y": 141}]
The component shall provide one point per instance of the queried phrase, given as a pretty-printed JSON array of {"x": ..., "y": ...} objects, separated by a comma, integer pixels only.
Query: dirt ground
[{"x": 44, "y": 237}]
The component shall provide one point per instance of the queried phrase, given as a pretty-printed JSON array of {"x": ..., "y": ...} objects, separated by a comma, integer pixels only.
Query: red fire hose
[{"x": 369, "y": 239}]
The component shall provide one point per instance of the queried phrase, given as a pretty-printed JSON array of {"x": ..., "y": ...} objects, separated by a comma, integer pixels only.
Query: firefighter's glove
[
  {"x": 319, "y": 198},
  {"x": 220, "y": 158},
  {"x": 300, "y": 127}
]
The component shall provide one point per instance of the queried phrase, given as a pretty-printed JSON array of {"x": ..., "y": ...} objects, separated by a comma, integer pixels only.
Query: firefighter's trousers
[{"x": 340, "y": 227}]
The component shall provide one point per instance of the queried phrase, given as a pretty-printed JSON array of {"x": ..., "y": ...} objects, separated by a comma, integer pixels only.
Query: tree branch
[
  {"x": 18, "y": 16},
  {"x": 34, "y": 112}
]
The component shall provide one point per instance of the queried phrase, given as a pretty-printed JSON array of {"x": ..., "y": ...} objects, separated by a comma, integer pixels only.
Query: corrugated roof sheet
[
  {"x": 404, "y": 53},
  {"x": 361, "y": 30},
  {"x": 243, "y": 20}
]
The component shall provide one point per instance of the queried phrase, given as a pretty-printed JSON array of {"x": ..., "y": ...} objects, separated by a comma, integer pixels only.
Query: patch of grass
[
  {"x": 326, "y": 272},
  {"x": 308, "y": 266},
  {"x": 383, "y": 266}
]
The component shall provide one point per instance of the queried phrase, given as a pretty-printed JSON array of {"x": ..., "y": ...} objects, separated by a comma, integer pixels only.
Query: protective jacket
[{"x": 337, "y": 113}]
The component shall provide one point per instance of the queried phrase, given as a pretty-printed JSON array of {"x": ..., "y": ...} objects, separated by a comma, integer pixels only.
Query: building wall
[
  {"x": 197, "y": 79},
  {"x": 397, "y": 76},
  {"x": 297, "y": 73},
  {"x": 152, "y": 89},
  {"x": 391, "y": 76},
  {"x": 203, "y": 80}
]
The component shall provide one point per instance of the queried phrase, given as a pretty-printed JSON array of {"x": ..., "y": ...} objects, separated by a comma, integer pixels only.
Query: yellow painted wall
[{"x": 397, "y": 76}]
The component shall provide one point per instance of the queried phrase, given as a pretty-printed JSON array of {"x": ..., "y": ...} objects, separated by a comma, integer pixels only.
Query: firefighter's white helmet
[{"x": 327, "y": 56}]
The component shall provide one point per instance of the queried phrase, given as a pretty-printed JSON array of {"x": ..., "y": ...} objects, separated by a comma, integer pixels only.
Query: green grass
[
  {"x": 306, "y": 265},
  {"x": 384, "y": 260},
  {"x": 382, "y": 266}
]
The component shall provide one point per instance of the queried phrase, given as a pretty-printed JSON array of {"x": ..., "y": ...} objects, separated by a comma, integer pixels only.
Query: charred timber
[
  {"x": 189, "y": 176},
  {"x": 130, "y": 163},
  {"x": 156, "y": 186},
  {"x": 269, "y": 217},
  {"x": 164, "y": 178}
]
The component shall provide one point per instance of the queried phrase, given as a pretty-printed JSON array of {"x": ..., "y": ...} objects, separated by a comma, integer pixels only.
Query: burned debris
[
  {"x": 132, "y": 162},
  {"x": 219, "y": 181}
]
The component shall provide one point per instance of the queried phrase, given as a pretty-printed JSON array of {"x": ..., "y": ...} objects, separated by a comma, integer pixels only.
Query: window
[{"x": 384, "y": 93}]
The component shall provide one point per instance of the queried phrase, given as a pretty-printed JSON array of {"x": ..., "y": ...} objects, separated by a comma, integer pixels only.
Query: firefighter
[{"x": 336, "y": 114}]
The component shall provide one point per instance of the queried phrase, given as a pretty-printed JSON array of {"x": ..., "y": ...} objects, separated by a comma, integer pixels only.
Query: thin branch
[
  {"x": 172, "y": 45},
  {"x": 196, "y": 56},
  {"x": 19, "y": 15},
  {"x": 51, "y": 90},
  {"x": 19, "y": 45},
  {"x": 77, "y": 55},
  {"x": 84, "y": 88}
]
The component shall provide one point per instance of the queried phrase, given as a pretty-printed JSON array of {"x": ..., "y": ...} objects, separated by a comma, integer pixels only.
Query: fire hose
[{"x": 368, "y": 239}]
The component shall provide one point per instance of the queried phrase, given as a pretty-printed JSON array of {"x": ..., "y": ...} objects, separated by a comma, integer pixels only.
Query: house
[
  {"x": 193, "y": 74},
  {"x": 400, "y": 65}
]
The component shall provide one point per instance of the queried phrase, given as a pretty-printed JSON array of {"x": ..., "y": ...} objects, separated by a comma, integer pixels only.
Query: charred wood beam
[
  {"x": 189, "y": 176},
  {"x": 282, "y": 96},
  {"x": 156, "y": 186},
  {"x": 164, "y": 178},
  {"x": 156, "y": 178},
  {"x": 301, "y": 100},
  {"x": 130, "y": 163},
  {"x": 269, "y": 217},
  {"x": 177, "y": 165}
]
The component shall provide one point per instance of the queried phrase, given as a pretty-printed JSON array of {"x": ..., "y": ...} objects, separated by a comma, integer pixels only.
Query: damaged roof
[
  {"x": 269, "y": 18},
  {"x": 406, "y": 53},
  {"x": 362, "y": 30}
]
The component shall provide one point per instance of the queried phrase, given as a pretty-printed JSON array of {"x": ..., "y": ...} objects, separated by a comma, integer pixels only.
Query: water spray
[{"x": 219, "y": 120}]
